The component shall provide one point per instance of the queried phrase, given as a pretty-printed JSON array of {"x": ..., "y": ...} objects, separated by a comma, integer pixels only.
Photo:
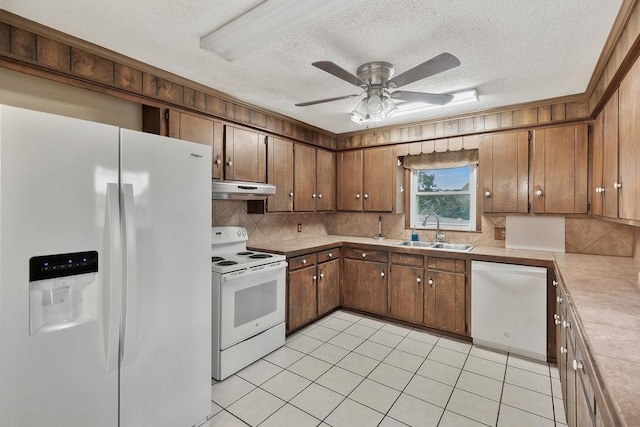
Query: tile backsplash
[{"x": 582, "y": 235}]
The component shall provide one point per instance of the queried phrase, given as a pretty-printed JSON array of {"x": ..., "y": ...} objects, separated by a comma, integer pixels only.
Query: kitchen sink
[{"x": 454, "y": 247}]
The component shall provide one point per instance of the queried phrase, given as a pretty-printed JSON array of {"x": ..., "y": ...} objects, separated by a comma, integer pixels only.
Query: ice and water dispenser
[{"x": 62, "y": 291}]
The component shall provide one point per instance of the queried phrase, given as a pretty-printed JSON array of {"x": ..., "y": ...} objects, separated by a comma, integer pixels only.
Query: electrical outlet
[
  {"x": 299, "y": 228},
  {"x": 500, "y": 233}
]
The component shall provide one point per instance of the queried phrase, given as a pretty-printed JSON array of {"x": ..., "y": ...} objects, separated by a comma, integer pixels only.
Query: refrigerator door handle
[
  {"x": 112, "y": 288},
  {"x": 130, "y": 277}
]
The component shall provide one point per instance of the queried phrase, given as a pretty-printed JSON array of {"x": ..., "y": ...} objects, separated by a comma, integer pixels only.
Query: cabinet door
[
  {"x": 378, "y": 179},
  {"x": 610, "y": 158},
  {"x": 302, "y": 296},
  {"x": 570, "y": 397},
  {"x": 328, "y": 286},
  {"x": 326, "y": 180},
  {"x": 364, "y": 285},
  {"x": 445, "y": 301},
  {"x": 349, "y": 180},
  {"x": 217, "y": 159},
  {"x": 560, "y": 169},
  {"x": 405, "y": 293},
  {"x": 505, "y": 172},
  {"x": 280, "y": 174},
  {"x": 245, "y": 154},
  {"x": 304, "y": 192},
  {"x": 598, "y": 154},
  {"x": 629, "y": 152}
]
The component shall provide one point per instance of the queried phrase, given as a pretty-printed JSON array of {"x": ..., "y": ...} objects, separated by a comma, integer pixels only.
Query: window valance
[{"x": 441, "y": 160}]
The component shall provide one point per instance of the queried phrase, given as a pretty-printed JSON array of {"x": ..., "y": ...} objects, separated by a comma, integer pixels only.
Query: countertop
[{"x": 604, "y": 292}]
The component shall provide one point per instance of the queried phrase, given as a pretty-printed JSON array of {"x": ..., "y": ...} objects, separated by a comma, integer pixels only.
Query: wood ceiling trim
[{"x": 38, "y": 50}]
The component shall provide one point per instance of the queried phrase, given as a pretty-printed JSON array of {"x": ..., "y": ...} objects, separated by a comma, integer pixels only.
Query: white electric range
[{"x": 248, "y": 291}]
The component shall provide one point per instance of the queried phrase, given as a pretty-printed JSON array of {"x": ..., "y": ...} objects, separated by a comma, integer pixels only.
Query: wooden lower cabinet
[
  {"x": 445, "y": 301},
  {"x": 406, "y": 293},
  {"x": 302, "y": 296},
  {"x": 364, "y": 285},
  {"x": 328, "y": 286}
]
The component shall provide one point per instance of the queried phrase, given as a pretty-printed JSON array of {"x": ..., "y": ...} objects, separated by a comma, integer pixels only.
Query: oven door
[{"x": 251, "y": 301}]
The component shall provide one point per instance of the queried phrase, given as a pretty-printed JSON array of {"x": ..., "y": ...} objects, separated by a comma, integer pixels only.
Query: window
[{"x": 451, "y": 193}]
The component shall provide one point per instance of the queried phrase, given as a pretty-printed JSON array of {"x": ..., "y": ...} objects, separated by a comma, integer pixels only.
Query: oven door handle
[{"x": 253, "y": 271}]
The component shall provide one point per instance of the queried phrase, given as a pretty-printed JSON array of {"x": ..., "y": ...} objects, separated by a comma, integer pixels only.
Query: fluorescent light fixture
[
  {"x": 462, "y": 97},
  {"x": 267, "y": 23}
]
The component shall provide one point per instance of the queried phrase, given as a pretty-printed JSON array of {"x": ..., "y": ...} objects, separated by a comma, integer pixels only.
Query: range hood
[{"x": 241, "y": 190}]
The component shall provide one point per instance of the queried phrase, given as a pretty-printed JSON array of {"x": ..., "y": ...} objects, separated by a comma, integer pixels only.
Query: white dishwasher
[{"x": 509, "y": 308}]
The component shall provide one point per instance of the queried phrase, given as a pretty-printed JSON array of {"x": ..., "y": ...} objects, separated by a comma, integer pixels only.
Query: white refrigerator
[{"x": 105, "y": 275}]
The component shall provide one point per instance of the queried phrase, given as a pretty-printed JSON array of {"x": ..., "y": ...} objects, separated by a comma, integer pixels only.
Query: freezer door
[
  {"x": 166, "y": 354},
  {"x": 58, "y": 327}
]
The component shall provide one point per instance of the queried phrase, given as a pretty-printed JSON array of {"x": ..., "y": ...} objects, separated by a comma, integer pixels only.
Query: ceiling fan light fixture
[
  {"x": 360, "y": 111},
  {"x": 389, "y": 107},
  {"x": 374, "y": 106}
]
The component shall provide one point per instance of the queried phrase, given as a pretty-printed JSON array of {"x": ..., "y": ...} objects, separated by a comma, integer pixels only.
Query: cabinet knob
[
  {"x": 617, "y": 185},
  {"x": 566, "y": 324},
  {"x": 539, "y": 193},
  {"x": 330, "y": 254},
  {"x": 366, "y": 196},
  {"x": 556, "y": 317},
  {"x": 218, "y": 161},
  {"x": 419, "y": 280},
  {"x": 315, "y": 277},
  {"x": 563, "y": 350},
  {"x": 430, "y": 282},
  {"x": 290, "y": 193},
  {"x": 557, "y": 322},
  {"x": 364, "y": 255},
  {"x": 599, "y": 189},
  {"x": 577, "y": 365},
  {"x": 555, "y": 283},
  {"x": 559, "y": 299},
  {"x": 304, "y": 261},
  {"x": 382, "y": 274},
  {"x": 313, "y": 195},
  {"x": 357, "y": 195},
  {"x": 322, "y": 275},
  {"x": 229, "y": 163},
  {"x": 319, "y": 195},
  {"x": 488, "y": 194}
]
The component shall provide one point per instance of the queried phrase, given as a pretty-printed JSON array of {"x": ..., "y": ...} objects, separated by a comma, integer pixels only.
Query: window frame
[{"x": 473, "y": 203}]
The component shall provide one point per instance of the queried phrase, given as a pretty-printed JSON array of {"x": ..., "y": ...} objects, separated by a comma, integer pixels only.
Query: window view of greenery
[{"x": 445, "y": 192}]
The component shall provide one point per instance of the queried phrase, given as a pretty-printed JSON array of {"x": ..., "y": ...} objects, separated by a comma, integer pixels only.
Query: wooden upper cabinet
[
  {"x": 629, "y": 150},
  {"x": 280, "y": 174},
  {"x": 304, "y": 192},
  {"x": 559, "y": 169},
  {"x": 378, "y": 179},
  {"x": 325, "y": 180},
  {"x": 349, "y": 180},
  {"x": 609, "y": 172},
  {"x": 597, "y": 159},
  {"x": 505, "y": 172},
  {"x": 245, "y": 155}
]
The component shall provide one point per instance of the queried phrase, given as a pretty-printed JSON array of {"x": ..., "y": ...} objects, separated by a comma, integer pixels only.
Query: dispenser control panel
[{"x": 62, "y": 265}]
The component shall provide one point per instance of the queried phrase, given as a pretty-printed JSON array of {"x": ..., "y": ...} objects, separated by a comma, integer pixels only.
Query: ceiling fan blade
[
  {"x": 427, "y": 98},
  {"x": 443, "y": 62},
  {"x": 320, "y": 101},
  {"x": 339, "y": 72}
]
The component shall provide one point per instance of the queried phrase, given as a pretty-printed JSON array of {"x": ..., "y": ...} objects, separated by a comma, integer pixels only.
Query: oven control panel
[{"x": 221, "y": 235}]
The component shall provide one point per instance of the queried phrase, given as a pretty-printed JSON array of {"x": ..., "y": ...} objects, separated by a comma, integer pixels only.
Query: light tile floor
[{"x": 346, "y": 370}]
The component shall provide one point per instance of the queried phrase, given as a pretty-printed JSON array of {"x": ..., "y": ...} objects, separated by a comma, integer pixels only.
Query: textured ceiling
[{"x": 511, "y": 51}]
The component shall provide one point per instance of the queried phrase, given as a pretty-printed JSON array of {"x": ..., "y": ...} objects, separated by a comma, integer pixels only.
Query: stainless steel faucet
[{"x": 440, "y": 235}]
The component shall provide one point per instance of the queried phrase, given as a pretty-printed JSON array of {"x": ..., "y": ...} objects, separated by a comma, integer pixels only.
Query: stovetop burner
[
  {"x": 216, "y": 258},
  {"x": 245, "y": 253},
  {"x": 225, "y": 263},
  {"x": 259, "y": 256}
]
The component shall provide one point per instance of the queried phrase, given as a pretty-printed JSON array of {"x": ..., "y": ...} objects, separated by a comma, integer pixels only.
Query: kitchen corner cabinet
[
  {"x": 559, "y": 169},
  {"x": 364, "y": 280},
  {"x": 314, "y": 179},
  {"x": 245, "y": 155},
  {"x": 446, "y": 295},
  {"x": 280, "y": 174},
  {"x": 504, "y": 159},
  {"x": 366, "y": 180},
  {"x": 406, "y": 287},
  {"x": 313, "y": 287},
  {"x": 188, "y": 127}
]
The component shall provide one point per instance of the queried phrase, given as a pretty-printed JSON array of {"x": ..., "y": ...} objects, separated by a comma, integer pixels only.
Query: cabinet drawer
[
  {"x": 302, "y": 261},
  {"x": 447, "y": 264},
  {"x": 412, "y": 260},
  {"x": 365, "y": 254},
  {"x": 328, "y": 255}
]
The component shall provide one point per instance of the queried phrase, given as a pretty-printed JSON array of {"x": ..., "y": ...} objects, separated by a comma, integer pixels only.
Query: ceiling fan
[{"x": 377, "y": 81}]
